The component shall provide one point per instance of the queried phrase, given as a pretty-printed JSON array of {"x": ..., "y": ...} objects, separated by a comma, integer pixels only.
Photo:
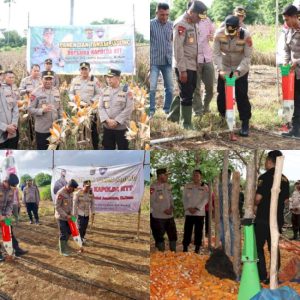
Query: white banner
[{"x": 116, "y": 188}]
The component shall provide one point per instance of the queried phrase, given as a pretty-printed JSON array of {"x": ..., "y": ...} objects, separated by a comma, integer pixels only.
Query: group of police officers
[
  {"x": 69, "y": 201},
  {"x": 115, "y": 105}
]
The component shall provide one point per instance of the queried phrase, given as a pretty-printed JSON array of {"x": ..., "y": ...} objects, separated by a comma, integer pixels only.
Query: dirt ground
[
  {"x": 265, "y": 123},
  {"x": 206, "y": 282},
  {"x": 114, "y": 264}
]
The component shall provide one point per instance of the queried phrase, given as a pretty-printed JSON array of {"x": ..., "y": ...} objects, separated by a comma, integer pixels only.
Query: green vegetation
[
  {"x": 45, "y": 192},
  {"x": 42, "y": 179}
]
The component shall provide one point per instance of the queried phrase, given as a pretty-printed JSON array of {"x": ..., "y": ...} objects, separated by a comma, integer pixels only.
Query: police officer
[
  {"x": 9, "y": 113},
  {"x": 115, "y": 108},
  {"x": 162, "y": 206},
  {"x": 48, "y": 67},
  {"x": 28, "y": 84},
  {"x": 232, "y": 55},
  {"x": 63, "y": 213},
  {"x": 45, "y": 107},
  {"x": 263, "y": 201},
  {"x": 239, "y": 12},
  {"x": 31, "y": 199},
  {"x": 185, "y": 53},
  {"x": 83, "y": 206},
  {"x": 6, "y": 207},
  {"x": 48, "y": 49},
  {"x": 87, "y": 87},
  {"x": 61, "y": 182},
  {"x": 291, "y": 55},
  {"x": 195, "y": 197}
]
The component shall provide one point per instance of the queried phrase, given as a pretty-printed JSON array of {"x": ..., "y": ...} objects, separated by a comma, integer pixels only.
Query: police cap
[
  {"x": 113, "y": 72},
  {"x": 73, "y": 184},
  {"x": 85, "y": 65},
  {"x": 240, "y": 11},
  {"x": 48, "y": 61},
  {"x": 48, "y": 74},
  {"x": 232, "y": 21}
]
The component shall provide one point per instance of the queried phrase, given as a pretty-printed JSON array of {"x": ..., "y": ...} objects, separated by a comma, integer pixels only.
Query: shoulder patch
[
  {"x": 152, "y": 190},
  {"x": 181, "y": 30},
  {"x": 249, "y": 41}
]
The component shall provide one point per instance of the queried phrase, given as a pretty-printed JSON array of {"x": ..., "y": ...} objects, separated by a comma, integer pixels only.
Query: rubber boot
[
  {"x": 186, "y": 116},
  {"x": 161, "y": 246},
  {"x": 185, "y": 248},
  {"x": 63, "y": 248},
  {"x": 245, "y": 128},
  {"x": 294, "y": 132},
  {"x": 197, "y": 249},
  {"x": 172, "y": 245},
  {"x": 174, "y": 113}
]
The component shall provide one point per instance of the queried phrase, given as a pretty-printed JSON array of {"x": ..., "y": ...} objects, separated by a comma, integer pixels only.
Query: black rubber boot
[
  {"x": 185, "y": 248},
  {"x": 245, "y": 128}
]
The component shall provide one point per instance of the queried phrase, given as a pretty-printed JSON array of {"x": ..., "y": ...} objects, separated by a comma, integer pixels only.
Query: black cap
[
  {"x": 272, "y": 155},
  {"x": 48, "y": 74},
  {"x": 240, "y": 11},
  {"x": 48, "y": 61},
  {"x": 161, "y": 171},
  {"x": 87, "y": 182},
  {"x": 232, "y": 21},
  {"x": 73, "y": 184},
  {"x": 85, "y": 65},
  {"x": 290, "y": 10},
  {"x": 48, "y": 30},
  {"x": 198, "y": 7},
  {"x": 113, "y": 72},
  {"x": 13, "y": 180}
]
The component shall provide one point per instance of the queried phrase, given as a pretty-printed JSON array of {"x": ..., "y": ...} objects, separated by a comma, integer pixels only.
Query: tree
[
  {"x": 42, "y": 179},
  {"x": 153, "y": 5},
  {"x": 13, "y": 39},
  {"x": 179, "y": 7},
  {"x": 24, "y": 178},
  {"x": 269, "y": 15}
]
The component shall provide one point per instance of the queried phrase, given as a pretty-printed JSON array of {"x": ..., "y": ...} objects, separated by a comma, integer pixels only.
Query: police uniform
[
  {"x": 262, "y": 226},
  {"x": 234, "y": 55},
  {"x": 83, "y": 205},
  {"x": 9, "y": 114},
  {"x": 44, "y": 120},
  {"x": 116, "y": 104},
  {"x": 194, "y": 196},
  {"x": 89, "y": 92},
  {"x": 55, "y": 78},
  {"x": 28, "y": 84},
  {"x": 31, "y": 199},
  {"x": 43, "y": 52},
  {"x": 291, "y": 54},
  {"x": 161, "y": 199}
]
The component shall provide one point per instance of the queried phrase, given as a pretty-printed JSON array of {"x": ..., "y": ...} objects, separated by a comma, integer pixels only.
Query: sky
[
  {"x": 33, "y": 162},
  {"x": 57, "y": 12}
]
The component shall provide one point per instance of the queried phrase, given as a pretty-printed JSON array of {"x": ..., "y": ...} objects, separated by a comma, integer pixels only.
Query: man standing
[
  {"x": 31, "y": 199},
  {"x": 185, "y": 55},
  {"x": 63, "y": 213},
  {"x": 83, "y": 207},
  {"x": 162, "y": 206},
  {"x": 263, "y": 202},
  {"x": 61, "y": 182},
  {"x": 205, "y": 68},
  {"x": 9, "y": 113},
  {"x": 195, "y": 197},
  {"x": 28, "y": 84},
  {"x": 115, "y": 108},
  {"x": 6, "y": 207},
  {"x": 48, "y": 67},
  {"x": 232, "y": 56},
  {"x": 46, "y": 108},
  {"x": 161, "y": 55},
  {"x": 291, "y": 55},
  {"x": 87, "y": 87}
]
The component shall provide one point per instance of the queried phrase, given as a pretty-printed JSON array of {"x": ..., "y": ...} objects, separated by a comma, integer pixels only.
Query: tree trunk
[
  {"x": 236, "y": 223},
  {"x": 273, "y": 223},
  {"x": 249, "y": 191},
  {"x": 217, "y": 212},
  {"x": 209, "y": 215},
  {"x": 225, "y": 203}
]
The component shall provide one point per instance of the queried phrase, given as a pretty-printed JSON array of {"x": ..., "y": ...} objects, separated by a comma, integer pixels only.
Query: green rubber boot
[
  {"x": 172, "y": 245},
  {"x": 63, "y": 248},
  {"x": 174, "y": 113},
  {"x": 186, "y": 117},
  {"x": 161, "y": 246}
]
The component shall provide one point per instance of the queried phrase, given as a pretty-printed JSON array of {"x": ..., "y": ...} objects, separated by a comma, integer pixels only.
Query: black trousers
[
  {"x": 206, "y": 221},
  {"x": 65, "y": 230},
  {"x": 83, "y": 222},
  {"x": 189, "y": 224},
  {"x": 113, "y": 138},
  {"x": 11, "y": 143},
  {"x": 41, "y": 140},
  {"x": 162, "y": 226},
  {"x": 241, "y": 93},
  {"x": 95, "y": 134},
  {"x": 263, "y": 235},
  {"x": 186, "y": 90},
  {"x": 296, "y": 115},
  {"x": 296, "y": 224},
  {"x": 32, "y": 208}
]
